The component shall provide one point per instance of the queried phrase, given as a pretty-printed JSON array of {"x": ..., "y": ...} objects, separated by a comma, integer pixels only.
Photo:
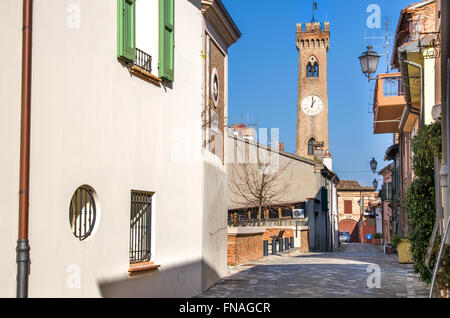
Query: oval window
[{"x": 83, "y": 212}]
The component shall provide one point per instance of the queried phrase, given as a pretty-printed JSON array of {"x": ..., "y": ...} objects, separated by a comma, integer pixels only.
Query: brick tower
[{"x": 313, "y": 43}]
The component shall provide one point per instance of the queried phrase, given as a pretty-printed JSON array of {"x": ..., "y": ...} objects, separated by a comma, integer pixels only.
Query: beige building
[
  {"x": 353, "y": 201},
  {"x": 124, "y": 201},
  {"x": 304, "y": 183}
]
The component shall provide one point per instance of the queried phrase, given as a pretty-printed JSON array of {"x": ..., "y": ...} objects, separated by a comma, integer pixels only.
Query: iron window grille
[
  {"x": 140, "y": 227},
  {"x": 82, "y": 213}
]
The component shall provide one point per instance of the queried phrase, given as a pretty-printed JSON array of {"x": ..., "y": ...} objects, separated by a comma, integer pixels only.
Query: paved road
[{"x": 342, "y": 274}]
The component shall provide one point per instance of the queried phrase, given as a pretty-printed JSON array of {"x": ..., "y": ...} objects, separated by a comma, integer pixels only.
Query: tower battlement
[
  {"x": 313, "y": 27},
  {"x": 313, "y": 34}
]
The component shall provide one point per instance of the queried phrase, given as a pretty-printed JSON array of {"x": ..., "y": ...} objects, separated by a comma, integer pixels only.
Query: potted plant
[
  {"x": 403, "y": 247},
  {"x": 377, "y": 237}
]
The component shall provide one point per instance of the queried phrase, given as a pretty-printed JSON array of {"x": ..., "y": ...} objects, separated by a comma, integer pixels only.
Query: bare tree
[{"x": 259, "y": 184}]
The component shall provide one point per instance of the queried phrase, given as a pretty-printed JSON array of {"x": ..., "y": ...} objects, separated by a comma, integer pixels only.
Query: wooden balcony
[{"x": 389, "y": 103}]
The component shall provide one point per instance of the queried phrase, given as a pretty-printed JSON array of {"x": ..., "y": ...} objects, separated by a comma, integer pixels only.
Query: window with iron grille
[
  {"x": 140, "y": 227},
  {"x": 82, "y": 212}
]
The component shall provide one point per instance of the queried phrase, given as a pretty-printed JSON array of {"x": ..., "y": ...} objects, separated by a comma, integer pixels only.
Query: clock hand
[{"x": 313, "y": 101}]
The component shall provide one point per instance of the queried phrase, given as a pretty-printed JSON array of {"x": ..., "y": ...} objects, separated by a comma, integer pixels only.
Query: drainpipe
[
  {"x": 416, "y": 65},
  {"x": 23, "y": 247}
]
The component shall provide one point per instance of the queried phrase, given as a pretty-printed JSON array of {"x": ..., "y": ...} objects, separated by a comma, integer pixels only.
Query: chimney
[{"x": 281, "y": 146}]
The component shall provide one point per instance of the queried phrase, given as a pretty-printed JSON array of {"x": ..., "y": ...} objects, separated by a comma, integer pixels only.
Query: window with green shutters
[
  {"x": 126, "y": 29},
  {"x": 130, "y": 24},
  {"x": 166, "y": 39}
]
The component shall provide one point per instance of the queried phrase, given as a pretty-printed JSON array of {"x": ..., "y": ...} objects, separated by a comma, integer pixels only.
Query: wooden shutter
[
  {"x": 166, "y": 39},
  {"x": 126, "y": 28},
  {"x": 348, "y": 209}
]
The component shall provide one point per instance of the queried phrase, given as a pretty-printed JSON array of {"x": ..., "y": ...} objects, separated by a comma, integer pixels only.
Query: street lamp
[
  {"x": 369, "y": 62},
  {"x": 373, "y": 165},
  {"x": 375, "y": 184}
]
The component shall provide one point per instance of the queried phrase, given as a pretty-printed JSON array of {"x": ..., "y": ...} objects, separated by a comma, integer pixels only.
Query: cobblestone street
[{"x": 342, "y": 274}]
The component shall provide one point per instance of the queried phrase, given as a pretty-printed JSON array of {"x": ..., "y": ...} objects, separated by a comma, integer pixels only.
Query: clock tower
[{"x": 313, "y": 43}]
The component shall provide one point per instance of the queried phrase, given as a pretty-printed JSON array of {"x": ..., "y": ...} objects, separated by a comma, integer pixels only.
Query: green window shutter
[
  {"x": 166, "y": 39},
  {"x": 126, "y": 29},
  {"x": 324, "y": 199},
  {"x": 383, "y": 192}
]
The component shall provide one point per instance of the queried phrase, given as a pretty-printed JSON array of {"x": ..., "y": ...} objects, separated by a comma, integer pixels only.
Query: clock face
[{"x": 312, "y": 105}]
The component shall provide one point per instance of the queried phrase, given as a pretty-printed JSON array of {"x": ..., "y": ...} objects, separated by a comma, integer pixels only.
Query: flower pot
[
  {"x": 404, "y": 252},
  {"x": 376, "y": 241}
]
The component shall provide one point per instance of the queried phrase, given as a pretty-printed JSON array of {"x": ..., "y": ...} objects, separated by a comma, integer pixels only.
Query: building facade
[
  {"x": 386, "y": 199},
  {"x": 405, "y": 100},
  {"x": 118, "y": 147},
  {"x": 306, "y": 185},
  {"x": 353, "y": 202}
]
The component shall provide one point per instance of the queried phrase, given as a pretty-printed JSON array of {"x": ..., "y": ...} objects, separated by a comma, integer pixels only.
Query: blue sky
[{"x": 263, "y": 76}]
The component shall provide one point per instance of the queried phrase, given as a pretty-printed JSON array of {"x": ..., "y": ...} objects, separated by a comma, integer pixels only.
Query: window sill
[
  {"x": 145, "y": 75},
  {"x": 142, "y": 267}
]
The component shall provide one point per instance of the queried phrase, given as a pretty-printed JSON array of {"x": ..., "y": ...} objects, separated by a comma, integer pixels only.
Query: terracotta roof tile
[{"x": 350, "y": 185}]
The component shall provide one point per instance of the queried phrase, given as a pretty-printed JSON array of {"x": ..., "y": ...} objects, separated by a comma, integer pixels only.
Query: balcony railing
[
  {"x": 388, "y": 104},
  {"x": 144, "y": 60},
  {"x": 393, "y": 86}
]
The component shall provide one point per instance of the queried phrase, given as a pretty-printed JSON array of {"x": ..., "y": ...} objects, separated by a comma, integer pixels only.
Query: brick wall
[
  {"x": 244, "y": 248},
  {"x": 246, "y": 245},
  {"x": 367, "y": 227}
]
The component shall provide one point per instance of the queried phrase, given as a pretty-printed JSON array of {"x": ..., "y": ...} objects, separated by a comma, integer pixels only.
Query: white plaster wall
[
  {"x": 94, "y": 124},
  {"x": 10, "y": 88}
]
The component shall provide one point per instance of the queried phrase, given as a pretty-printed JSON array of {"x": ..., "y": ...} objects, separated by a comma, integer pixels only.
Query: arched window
[{"x": 311, "y": 146}]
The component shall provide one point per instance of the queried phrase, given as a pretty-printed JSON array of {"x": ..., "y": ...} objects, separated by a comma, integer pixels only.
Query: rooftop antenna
[{"x": 386, "y": 39}]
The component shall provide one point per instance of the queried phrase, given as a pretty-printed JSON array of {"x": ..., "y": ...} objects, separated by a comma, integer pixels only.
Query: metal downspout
[
  {"x": 416, "y": 65},
  {"x": 23, "y": 248}
]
